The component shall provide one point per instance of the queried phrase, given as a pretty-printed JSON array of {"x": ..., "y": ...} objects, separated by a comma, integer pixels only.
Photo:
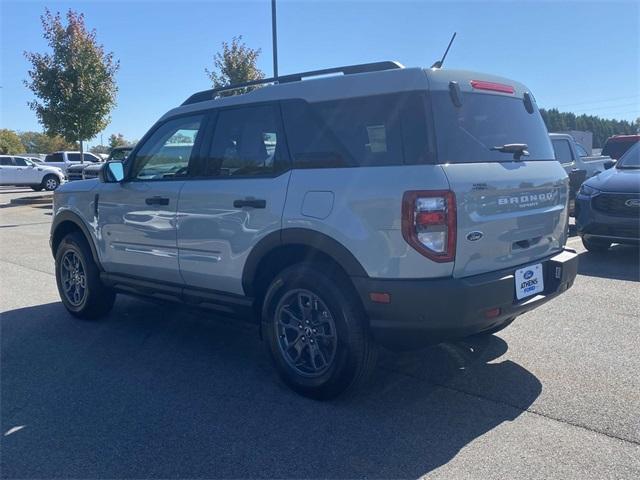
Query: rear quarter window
[
  {"x": 467, "y": 133},
  {"x": 367, "y": 131}
]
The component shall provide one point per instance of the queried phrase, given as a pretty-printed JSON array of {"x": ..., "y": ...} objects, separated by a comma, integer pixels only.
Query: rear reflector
[
  {"x": 492, "y": 86},
  {"x": 379, "y": 297},
  {"x": 492, "y": 312}
]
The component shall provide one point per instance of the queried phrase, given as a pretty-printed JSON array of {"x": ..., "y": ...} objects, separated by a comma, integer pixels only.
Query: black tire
[
  {"x": 36, "y": 188},
  {"x": 496, "y": 329},
  {"x": 50, "y": 183},
  {"x": 95, "y": 300},
  {"x": 350, "y": 355},
  {"x": 596, "y": 245}
]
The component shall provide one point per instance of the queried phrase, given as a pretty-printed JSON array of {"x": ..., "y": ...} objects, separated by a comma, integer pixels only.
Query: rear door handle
[
  {"x": 250, "y": 202},
  {"x": 157, "y": 201}
]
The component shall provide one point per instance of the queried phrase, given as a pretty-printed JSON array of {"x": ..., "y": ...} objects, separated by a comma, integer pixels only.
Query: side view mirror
[
  {"x": 609, "y": 164},
  {"x": 112, "y": 172}
]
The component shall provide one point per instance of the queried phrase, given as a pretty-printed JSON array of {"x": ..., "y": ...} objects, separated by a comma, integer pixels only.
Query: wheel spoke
[{"x": 287, "y": 310}]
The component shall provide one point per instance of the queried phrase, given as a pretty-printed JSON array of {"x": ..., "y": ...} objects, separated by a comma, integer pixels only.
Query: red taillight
[
  {"x": 492, "y": 86},
  {"x": 429, "y": 223}
]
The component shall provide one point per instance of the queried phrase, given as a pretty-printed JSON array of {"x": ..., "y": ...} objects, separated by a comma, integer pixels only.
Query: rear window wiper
[{"x": 517, "y": 149}]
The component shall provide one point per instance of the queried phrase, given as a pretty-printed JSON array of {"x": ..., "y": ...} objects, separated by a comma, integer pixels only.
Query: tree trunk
[{"x": 81, "y": 152}]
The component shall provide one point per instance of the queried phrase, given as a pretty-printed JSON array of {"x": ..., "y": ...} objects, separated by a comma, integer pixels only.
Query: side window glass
[
  {"x": 166, "y": 153},
  {"x": 246, "y": 142},
  {"x": 311, "y": 142},
  {"x": 54, "y": 157},
  {"x": 73, "y": 157},
  {"x": 562, "y": 151},
  {"x": 6, "y": 161},
  {"x": 20, "y": 162}
]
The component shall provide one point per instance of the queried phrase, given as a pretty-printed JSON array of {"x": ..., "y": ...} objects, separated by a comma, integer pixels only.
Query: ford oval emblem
[
  {"x": 633, "y": 202},
  {"x": 473, "y": 236},
  {"x": 528, "y": 274}
]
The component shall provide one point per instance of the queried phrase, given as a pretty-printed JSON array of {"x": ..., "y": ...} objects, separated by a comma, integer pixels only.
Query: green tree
[
  {"x": 75, "y": 83},
  {"x": 117, "y": 140},
  {"x": 100, "y": 149},
  {"x": 10, "y": 142},
  {"x": 37, "y": 142},
  {"x": 236, "y": 63},
  {"x": 602, "y": 128}
]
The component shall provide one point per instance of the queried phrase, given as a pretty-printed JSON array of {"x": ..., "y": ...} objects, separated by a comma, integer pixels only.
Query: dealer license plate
[{"x": 529, "y": 281}]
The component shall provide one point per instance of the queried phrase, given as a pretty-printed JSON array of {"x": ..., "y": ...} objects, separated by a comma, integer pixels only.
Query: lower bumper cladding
[{"x": 425, "y": 311}]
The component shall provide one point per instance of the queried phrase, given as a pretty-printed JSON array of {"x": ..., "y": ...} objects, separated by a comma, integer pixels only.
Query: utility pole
[{"x": 274, "y": 34}]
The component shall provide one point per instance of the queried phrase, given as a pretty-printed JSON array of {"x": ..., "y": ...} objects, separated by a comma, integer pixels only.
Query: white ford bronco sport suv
[{"x": 385, "y": 206}]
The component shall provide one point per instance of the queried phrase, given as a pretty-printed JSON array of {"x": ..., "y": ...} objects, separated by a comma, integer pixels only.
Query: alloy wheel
[
  {"x": 74, "y": 279},
  {"x": 306, "y": 330}
]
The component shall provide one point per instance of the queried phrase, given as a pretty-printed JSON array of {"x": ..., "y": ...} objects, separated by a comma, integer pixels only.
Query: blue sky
[{"x": 578, "y": 56}]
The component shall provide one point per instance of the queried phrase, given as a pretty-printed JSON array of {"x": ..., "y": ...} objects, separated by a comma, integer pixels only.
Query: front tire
[
  {"x": 596, "y": 245},
  {"x": 78, "y": 278},
  {"x": 316, "y": 332},
  {"x": 50, "y": 183}
]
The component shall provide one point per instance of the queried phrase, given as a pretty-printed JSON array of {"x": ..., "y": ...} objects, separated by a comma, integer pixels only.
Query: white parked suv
[
  {"x": 385, "y": 206},
  {"x": 21, "y": 171},
  {"x": 65, "y": 159}
]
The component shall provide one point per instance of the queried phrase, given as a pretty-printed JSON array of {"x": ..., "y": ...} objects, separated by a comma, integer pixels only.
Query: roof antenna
[{"x": 439, "y": 63}]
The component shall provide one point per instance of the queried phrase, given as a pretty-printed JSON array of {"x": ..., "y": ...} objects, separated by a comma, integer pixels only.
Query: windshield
[
  {"x": 631, "y": 159},
  {"x": 468, "y": 133}
]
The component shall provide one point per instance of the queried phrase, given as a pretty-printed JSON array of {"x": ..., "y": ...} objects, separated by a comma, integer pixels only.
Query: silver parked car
[{"x": 385, "y": 206}]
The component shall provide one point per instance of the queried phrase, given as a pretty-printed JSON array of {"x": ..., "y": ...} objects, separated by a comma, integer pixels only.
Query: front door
[
  {"x": 27, "y": 172},
  {"x": 137, "y": 217},
  {"x": 236, "y": 198}
]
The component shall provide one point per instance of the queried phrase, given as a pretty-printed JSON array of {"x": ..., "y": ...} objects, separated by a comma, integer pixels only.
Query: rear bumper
[{"x": 424, "y": 311}]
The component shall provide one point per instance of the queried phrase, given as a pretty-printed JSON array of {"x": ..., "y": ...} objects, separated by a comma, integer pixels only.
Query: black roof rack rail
[{"x": 295, "y": 77}]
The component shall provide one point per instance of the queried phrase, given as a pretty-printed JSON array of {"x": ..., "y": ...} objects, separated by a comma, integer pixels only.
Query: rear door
[
  {"x": 8, "y": 171},
  {"x": 236, "y": 197},
  {"x": 137, "y": 217},
  {"x": 510, "y": 211}
]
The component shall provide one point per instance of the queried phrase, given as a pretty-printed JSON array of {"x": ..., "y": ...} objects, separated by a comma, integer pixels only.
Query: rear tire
[
  {"x": 316, "y": 332},
  {"x": 50, "y": 183},
  {"x": 596, "y": 245},
  {"x": 78, "y": 278}
]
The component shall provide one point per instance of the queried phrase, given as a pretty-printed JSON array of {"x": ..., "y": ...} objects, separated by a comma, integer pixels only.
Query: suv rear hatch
[{"x": 511, "y": 205}]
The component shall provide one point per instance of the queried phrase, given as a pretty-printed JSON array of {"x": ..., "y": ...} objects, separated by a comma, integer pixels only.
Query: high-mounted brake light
[
  {"x": 429, "y": 223},
  {"x": 492, "y": 86}
]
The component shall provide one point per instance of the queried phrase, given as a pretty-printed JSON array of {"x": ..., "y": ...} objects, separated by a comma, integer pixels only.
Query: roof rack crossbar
[{"x": 294, "y": 77}]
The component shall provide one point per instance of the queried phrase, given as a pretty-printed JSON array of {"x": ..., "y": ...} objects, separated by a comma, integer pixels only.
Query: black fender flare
[
  {"x": 69, "y": 216},
  {"x": 302, "y": 237}
]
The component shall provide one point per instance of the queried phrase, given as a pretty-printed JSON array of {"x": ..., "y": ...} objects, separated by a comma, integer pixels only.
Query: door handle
[
  {"x": 250, "y": 202},
  {"x": 157, "y": 201}
]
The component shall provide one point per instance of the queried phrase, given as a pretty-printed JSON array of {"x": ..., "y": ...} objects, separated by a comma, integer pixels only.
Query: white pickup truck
[
  {"x": 63, "y": 160},
  {"x": 573, "y": 156}
]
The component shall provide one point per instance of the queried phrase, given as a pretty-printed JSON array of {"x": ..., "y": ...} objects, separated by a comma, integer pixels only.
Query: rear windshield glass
[
  {"x": 615, "y": 149},
  {"x": 466, "y": 134}
]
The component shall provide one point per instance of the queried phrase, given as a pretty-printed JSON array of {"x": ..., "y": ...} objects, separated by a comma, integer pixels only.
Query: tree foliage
[
  {"x": 10, "y": 143},
  {"x": 117, "y": 140},
  {"x": 236, "y": 63},
  {"x": 601, "y": 128},
  {"x": 75, "y": 83},
  {"x": 38, "y": 142}
]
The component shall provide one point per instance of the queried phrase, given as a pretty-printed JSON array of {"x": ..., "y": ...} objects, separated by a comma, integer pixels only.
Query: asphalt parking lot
[{"x": 155, "y": 391}]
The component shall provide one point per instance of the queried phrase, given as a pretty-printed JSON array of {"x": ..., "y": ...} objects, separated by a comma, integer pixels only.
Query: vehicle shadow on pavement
[
  {"x": 620, "y": 262},
  {"x": 156, "y": 391}
]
